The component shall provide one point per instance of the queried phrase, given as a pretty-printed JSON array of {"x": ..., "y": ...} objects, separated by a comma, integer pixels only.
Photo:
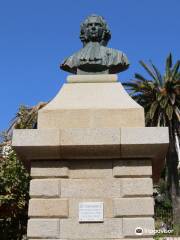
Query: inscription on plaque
[{"x": 91, "y": 212}]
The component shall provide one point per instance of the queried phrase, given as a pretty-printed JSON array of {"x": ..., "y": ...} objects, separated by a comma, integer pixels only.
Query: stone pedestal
[{"x": 91, "y": 146}]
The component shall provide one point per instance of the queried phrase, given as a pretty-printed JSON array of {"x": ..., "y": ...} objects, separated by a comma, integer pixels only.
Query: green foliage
[
  {"x": 26, "y": 117},
  {"x": 165, "y": 201},
  {"x": 14, "y": 179},
  {"x": 175, "y": 233},
  {"x": 14, "y": 184},
  {"x": 13, "y": 228},
  {"x": 176, "y": 229}
]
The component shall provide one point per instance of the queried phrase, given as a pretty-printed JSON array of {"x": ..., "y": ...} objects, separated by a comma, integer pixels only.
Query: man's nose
[{"x": 93, "y": 27}]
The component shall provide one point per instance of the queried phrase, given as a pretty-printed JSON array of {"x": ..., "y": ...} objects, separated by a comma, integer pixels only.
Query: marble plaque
[{"x": 91, "y": 212}]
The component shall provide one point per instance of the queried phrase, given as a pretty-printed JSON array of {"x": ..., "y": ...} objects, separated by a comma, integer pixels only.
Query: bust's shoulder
[
  {"x": 114, "y": 52},
  {"x": 115, "y": 60}
]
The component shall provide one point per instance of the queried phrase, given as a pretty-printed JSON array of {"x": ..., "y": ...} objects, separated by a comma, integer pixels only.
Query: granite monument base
[{"x": 92, "y": 175}]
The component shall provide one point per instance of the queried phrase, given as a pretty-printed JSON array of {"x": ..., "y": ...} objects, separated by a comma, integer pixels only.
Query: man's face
[{"x": 94, "y": 29}]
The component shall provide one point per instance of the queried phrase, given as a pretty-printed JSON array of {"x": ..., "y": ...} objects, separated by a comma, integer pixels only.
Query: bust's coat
[{"x": 96, "y": 58}]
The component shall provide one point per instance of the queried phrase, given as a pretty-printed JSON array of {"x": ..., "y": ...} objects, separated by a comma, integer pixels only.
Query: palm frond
[
  {"x": 168, "y": 66},
  {"x": 153, "y": 109},
  {"x": 140, "y": 77},
  {"x": 149, "y": 70},
  {"x": 169, "y": 112},
  {"x": 158, "y": 74},
  {"x": 175, "y": 70}
]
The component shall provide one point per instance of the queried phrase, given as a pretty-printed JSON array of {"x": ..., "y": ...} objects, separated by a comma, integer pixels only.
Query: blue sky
[{"x": 36, "y": 35}]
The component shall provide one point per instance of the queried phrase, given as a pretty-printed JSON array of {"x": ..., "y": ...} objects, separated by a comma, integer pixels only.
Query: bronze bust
[{"x": 95, "y": 57}]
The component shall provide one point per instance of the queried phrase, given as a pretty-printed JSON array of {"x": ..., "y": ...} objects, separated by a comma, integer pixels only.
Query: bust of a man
[{"x": 95, "y": 57}]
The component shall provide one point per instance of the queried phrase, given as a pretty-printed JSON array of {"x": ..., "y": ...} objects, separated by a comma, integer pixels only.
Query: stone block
[
  {"x": 45, "y": 188},
  {"x": 130, "y": 225},
  {"x": 91, "y": 105},
  {"x": 99, "y": 78},
  {"x": 43, "y": 228},
  {"x": 90, "y": 136},
  {"x": 36, "y": 143},
  {"x": 148, "y": 135},
  {"x": 133, "y": 207},
  {"x": 49, "y": 168},
  {"x": 136, "y": 187},
  {"x": 90, "y": 188},
  {"x": 90, "y": 152},
  {"x": 149, "y": 142},
  {"x": 72, "y": 229},
  {"x": 48, "y": 208},
  {"x": 74, "y": 206},
  {"x": 90, "y": 143},
  {"x": 90, "y": 168},
  {"x": 36, "y": 137},
  {"x": 132, "y": 168},
  {"x": 141, "y": 142}
]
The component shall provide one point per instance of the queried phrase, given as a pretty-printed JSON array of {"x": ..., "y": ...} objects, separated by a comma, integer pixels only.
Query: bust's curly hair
[{"x": 106, "y": 36}]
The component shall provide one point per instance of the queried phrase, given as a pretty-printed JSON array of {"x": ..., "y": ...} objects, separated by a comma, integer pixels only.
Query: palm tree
[{"x": 160, "y": 97}]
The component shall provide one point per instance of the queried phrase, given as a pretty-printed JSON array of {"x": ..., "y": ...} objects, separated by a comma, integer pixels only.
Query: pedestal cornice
[{"x": 92, "y": 143}]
